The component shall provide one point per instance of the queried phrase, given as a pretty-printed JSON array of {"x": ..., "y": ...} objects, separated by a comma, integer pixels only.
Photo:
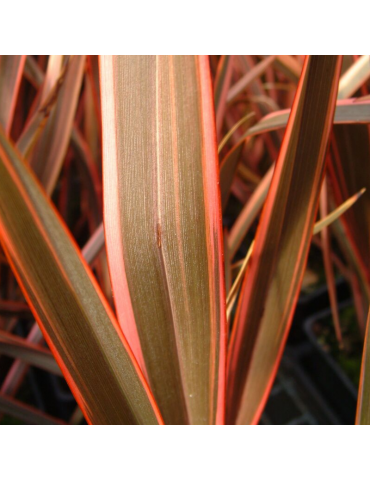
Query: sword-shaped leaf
[
  {"x": 274, "y": 275},
  {"x": 74, "y": 317},
  {"x": 163, "y": 227}
]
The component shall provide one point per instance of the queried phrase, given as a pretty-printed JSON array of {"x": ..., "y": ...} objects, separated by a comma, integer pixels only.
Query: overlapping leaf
[
  {"x": 72, "y": 313},
  {"x": 354, "y": 111},
  {"x": 354, "y": 77}
]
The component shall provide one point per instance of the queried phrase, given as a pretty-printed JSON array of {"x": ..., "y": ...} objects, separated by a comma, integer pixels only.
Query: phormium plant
[{"x": 152, "y": 321}]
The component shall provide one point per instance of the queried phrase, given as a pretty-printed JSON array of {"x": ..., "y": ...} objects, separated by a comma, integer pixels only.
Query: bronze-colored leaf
[
  {"x": 273, "y": 278},
  {"x": 75, "y": 319},
  {"x": 163, "y": 227}
]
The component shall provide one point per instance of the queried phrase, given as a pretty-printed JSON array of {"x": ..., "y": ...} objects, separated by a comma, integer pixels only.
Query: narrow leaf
[
  {"x": 160, "y": 177},
  {"x": 227, "y": 172},
  {"x": 18, "y": 370},
  {"x": 319, "y": 226},
  {"x": 67, "y": 303},
  {"x": 349, "y": 169},
  {"x": 33, "y": 72},
  {"x": 249, "y": 213},
  {"x": 354, "y": 77},
  {"x": 95, "y": 245},
  {"x": 289, "y": 66},
  {"x": 230, "y": 301},
  {"x": 26, "y": 413},
  {"x": 49, "y": 153},
  {"x": 222, "y": 85},
  {"x": 274, "y": 275},
  {"x": 227, "y": 262},
  {"x": 9, "y": 307},
  {"x": 335, "y": 214},
  {"x": 328, "y": 266},
  {"x": 11, "y": 69},
  {"x": 232, "y": 130},
  {"x": 36, "y": 355},
  {"x": 351, "y": 111},
  {"x": 249, "y": 77},
  {"x": 38, "y": 120}
]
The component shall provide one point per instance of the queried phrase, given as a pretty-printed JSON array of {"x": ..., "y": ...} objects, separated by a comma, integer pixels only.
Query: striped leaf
[
  {"x": 163, "y": 227},
  {"x": 72, "y": 313},
  {"x": 274, "y": 275}
]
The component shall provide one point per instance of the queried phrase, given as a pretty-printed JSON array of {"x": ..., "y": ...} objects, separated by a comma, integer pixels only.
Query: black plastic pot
[
  {"x": 294, "y": 399},
  {"x": 315, "y": 383},
  {"x": 338, "y": 390},
  {"x": 313, "y": 303}
]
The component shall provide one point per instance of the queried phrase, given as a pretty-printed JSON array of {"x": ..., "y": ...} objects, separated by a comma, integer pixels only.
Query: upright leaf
[
  {"x": 249, "y": 213},
  {"x": 49, "y": 153},
  {"x": 328, "y": 265},
  {"x": 11, "y": 69},
  {"x": 222, "y": 85},
  {"x": 163, "y": 227},
  {"x": 274, "y": 275}
]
